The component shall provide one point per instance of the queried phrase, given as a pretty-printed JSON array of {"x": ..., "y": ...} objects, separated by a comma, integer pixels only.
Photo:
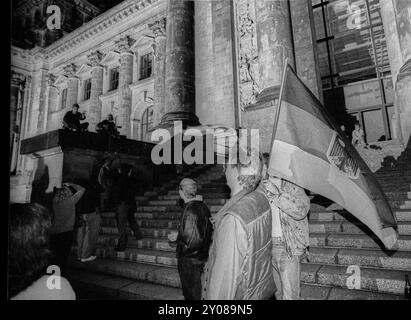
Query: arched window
[{"x": 147, "y": 123}]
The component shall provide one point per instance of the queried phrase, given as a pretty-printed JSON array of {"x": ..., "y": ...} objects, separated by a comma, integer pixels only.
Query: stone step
[
  {"x": 157, "y": 257},
  {"x": 380, "y": 281},
  {"x": 399, "y": 260},
  {"x": 90, "y": 285},
  {"x": 395, "y": 186},
  {"x": 373, "y": 279},
  {"x": 355, "y": 241},
  {"x": 109, "y": 240},
  {"x": 315, "y": 226},
  {"x": 395, "y": 195},
  {"x": 205, "y": 196},
  {"x": 155, "y": 274},
  {"x": 404, "y": 228},
  {"x": 203, "y": 191},
  {"x": 324, "y": 215},
  {"x": 321, "y": 292},
  {"x": 208, "y": 201},
  {"x": 156, "y": 208}
]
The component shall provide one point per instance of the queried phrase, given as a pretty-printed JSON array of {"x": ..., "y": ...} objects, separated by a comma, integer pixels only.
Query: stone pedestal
[
  {"x": 64, "y": 156},
  {"x": 94, "y": 112},
  {"x": 397, "y": 29},
  {"x": 179, "y": 84},
  {"x": 125, "y": 78},
  {"x": 159, "y": 30}
]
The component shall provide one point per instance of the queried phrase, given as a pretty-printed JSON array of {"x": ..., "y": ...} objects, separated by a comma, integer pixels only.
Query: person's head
[
  {"x": 357, "y": 125},
  {"x": 29, "y": 241},
  {"x": 187, "y": 189},
  {"x": 75, "y": 108},
  {"x": 242, "y": 174},
  {"x": 110, "y": 117},
  {"x": 61, "y": 194},
  {"x": 342, "y": 127}
]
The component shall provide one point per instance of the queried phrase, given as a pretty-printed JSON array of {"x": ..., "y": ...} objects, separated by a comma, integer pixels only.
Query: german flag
[{"x": 310, "y": 150}]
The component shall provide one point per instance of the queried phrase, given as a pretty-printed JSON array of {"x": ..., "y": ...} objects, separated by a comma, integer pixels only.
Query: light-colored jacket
[
  {"x": 239, "y": 263},
  {"x": 294, "y": 205}
]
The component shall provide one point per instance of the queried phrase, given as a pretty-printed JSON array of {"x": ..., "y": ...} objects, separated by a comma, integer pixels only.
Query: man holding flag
[{"x": 309, "y": 149}]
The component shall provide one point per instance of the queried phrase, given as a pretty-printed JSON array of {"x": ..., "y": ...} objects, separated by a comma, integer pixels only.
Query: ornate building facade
[{"x": 151, "y": 62}]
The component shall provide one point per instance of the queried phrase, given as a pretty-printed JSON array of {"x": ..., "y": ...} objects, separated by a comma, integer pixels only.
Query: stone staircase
[{"x": 147, "y": 269}]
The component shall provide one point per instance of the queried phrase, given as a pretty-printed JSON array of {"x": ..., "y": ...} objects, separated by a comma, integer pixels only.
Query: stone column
[
  {"x": 305, "y": 45},
  {"x": 179, "y": 83},
  {"x": 94, "y": 112},
  {"x": 24, "y": 130},
  {"x": 72, "y": 84},
  {"x": 397, "y": 28},
  {"x": 40, "y": 100},
  {"x": 274, "y": 41},
  {"x": 16, "y": 106},
  {"x": 51, "y": 101},
  {"x": 125, "y": 78},
  {"x": 159, "y": 30}
]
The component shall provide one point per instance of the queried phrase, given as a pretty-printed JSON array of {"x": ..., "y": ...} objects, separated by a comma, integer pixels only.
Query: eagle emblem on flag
[{"x": 341, "y": 159}]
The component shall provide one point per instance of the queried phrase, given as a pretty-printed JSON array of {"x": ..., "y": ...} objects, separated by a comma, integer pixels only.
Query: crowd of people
[
  {"x": 253, "y": 247},
  {"x": 250, "y": 249}
]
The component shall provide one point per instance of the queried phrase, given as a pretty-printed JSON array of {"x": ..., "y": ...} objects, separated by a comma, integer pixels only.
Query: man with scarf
[
  {"x": 290, "y": 234},
  {"x": 193, "y": 240}
]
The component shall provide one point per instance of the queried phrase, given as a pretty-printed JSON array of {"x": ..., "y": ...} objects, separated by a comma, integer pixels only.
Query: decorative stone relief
[
  {"x": 17, "y": 79},
  {"x": 158, "y": 27},
  {"x": 51, "y": 79},
  {"x": 95, "y": 58},
  {"x": 69, "y": 70},
  {"x": 124, "y": 44},
  {"x": 247, "y": 53},
  {"x": 159, "y": 30}
]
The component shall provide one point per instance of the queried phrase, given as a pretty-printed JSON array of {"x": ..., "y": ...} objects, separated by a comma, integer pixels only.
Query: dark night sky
[
  {"x": 107, "y": 4},
  {"x": 104, "y": 4}
]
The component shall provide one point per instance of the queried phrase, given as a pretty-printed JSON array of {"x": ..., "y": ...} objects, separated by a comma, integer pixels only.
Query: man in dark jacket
[
  {"x": 193, "y": 240},
  {"x": 71, "y": 120},
  {"x": 124, "y": 193}
]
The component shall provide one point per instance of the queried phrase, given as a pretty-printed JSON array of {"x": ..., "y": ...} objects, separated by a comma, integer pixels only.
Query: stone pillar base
[{"x": 187, "y": 118}]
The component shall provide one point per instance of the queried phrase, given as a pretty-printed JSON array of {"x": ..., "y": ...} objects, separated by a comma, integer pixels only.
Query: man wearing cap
[
  {"x": 193, "y": 240},
  {"x": 239, "y": 263},
  {"x": 71, "y": 120}
]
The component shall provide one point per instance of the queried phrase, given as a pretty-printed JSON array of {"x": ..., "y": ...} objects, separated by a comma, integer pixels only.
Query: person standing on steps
[
  {"x": 239, "y": 262},
  {"x": 124, "y": 195},
  {"x": 105, "y": 180},
  {"x": 193, "y": 240},
  {"x": 290, "y": 233}
]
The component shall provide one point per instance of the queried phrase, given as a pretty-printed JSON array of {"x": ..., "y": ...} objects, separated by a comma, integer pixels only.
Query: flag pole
[{"x": 277, "y": 113}]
